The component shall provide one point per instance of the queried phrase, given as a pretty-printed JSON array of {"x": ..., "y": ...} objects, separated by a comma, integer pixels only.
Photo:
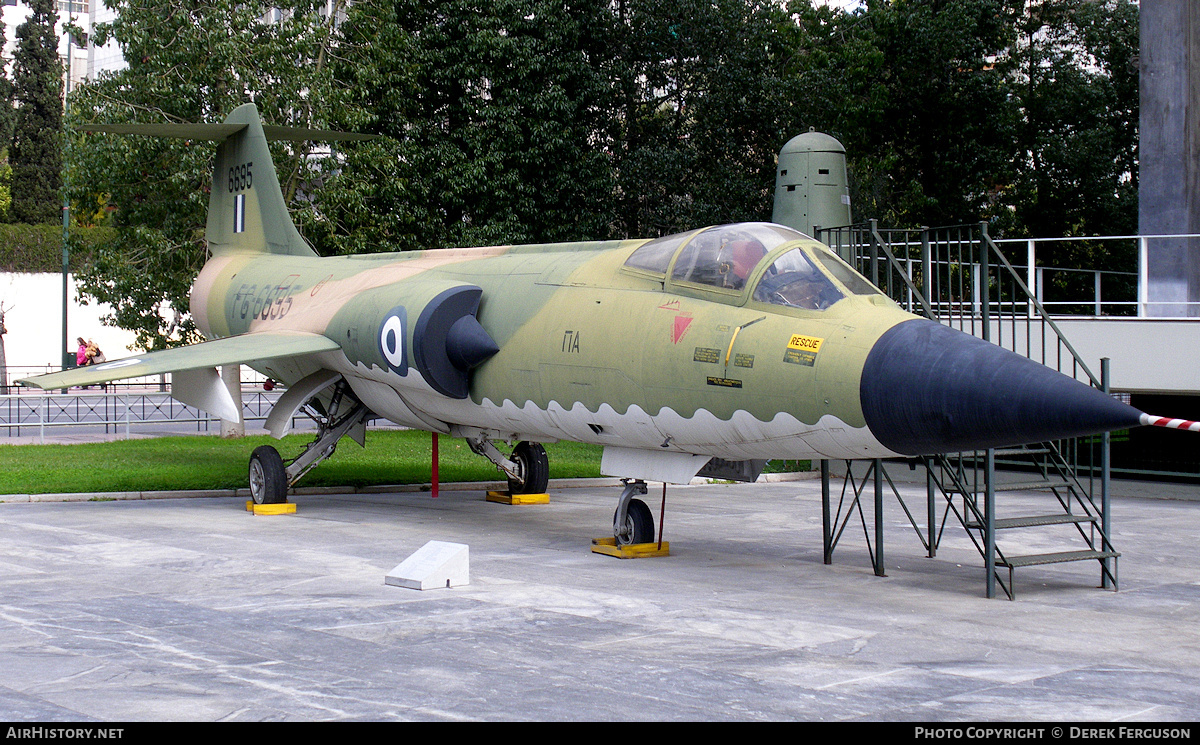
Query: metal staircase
[{"x": 959, "y": 277}]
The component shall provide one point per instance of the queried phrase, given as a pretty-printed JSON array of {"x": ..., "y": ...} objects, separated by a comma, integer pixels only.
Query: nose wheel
[{"x": 633, "y": 522}]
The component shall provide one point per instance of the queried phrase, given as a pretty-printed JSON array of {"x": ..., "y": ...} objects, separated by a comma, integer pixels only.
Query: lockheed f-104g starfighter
[{"x": 730, "y": 345}]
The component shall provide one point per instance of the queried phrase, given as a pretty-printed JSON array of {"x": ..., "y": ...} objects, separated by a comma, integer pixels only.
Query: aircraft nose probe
[{"x": 927, "y": 388}]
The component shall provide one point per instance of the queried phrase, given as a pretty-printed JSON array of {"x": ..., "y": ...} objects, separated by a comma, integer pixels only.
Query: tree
[
  {"x": 7, "y": 120},
  {"x": 930, "y": 140},
  {"x": 489, "y": 114},
  {"x": 218, "y": 55},
  {"x": 550, "y": 120},
  {"x": 702, "y": 111},
  {"x": 532, "y": 120},
  {"x": 1075, "y": 79},
  {"x": 36, "y": 153}
]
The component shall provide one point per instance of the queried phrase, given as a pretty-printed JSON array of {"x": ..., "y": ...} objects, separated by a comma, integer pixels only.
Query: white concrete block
[{"x": 436, "y": 564}]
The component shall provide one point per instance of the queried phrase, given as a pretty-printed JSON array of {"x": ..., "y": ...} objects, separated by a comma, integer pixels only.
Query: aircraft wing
[{"x": 262, "y": 345}]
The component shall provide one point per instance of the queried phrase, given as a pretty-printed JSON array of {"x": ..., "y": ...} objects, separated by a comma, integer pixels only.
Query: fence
[
  {"x": 117, "y": 412},
  {"x": 1060, "y": 273}
]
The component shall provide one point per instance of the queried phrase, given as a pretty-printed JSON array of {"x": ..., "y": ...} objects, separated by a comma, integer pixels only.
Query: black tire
[
  {"x": 535, "y": 467},
  {"x": 268, "y": 478},
  {"x": 639, "y": 524}
]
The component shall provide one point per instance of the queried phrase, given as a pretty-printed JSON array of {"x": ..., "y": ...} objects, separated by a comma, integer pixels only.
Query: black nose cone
[{"x": 927, "y": 388}]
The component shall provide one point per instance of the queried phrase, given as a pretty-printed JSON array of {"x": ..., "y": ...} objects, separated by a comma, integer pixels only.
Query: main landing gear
[
  {"x": 270, "y": 477},
  {"x": 527, "y": 470}
]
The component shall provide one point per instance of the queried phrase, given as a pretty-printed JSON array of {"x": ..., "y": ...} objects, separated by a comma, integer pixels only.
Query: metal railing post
[
  {"x": 1107, "y": 567},
  {"x": 927, "y": 268},
  {"x": 931, "y": 507},
  {"x": 985, "y": 289},
  {"x": 1143, "y": 281},
  {"x": 1032, "y": 275},
  {"x": 989, "y": 521},
  {"x": 874, "y": 253},
  {"x": 880, "y": 568}
]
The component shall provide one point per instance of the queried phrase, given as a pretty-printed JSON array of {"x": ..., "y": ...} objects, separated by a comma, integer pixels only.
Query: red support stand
[{"x": 435, "y": 465}]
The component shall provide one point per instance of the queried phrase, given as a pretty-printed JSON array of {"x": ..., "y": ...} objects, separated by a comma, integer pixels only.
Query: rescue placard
[
  {"x": 802, "y": 350},
  {"x": 805, "y": 343}
]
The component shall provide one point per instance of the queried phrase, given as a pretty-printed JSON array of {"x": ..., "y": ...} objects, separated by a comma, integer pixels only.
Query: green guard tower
[{"x": 811, "y": 189}]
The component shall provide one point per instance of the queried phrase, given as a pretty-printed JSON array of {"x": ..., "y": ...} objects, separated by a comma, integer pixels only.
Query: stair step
[
  {"x": 1031, "y": 485},
  {"x": 1054, "y": 558},
  {"x": 1021, "y": 451},
  {"x": 1032, "y": 520},
  {"x": 1014, "y": 486}
]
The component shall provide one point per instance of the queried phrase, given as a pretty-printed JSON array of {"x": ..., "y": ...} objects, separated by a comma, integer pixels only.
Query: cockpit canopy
[{"x": 726, "y": 257}]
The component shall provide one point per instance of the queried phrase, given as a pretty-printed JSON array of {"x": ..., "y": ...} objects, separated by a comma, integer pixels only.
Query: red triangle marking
[{"x": 680, "y": 328}]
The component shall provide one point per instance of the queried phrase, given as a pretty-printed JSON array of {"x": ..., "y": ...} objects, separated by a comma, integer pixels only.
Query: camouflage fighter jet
[{"x": 709, "y": 351}]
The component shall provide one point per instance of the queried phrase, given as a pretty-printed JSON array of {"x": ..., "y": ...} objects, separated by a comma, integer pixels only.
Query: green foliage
[
  {"x": 6, "y": 173},
  {"x": 1075, "y": 79},
  {"x": 489, "y": 111},
  {"x": 939, "y": 139},
  {"x": 550, "y": 120},
  {"x": 700, "y": 112},
  {"x": 38, "y": 248},
  {"x": 36, "y": 154},
  {"x": 1021, "y": 113},
  {"x": 220, "y": 54},
  {"x": 544, "y": 121}
]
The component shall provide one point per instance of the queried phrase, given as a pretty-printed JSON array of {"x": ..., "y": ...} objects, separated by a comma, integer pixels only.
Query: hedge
[{"x": 38, "y": 248}]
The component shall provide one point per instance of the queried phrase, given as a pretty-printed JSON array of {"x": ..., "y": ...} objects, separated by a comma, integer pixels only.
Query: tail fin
[{"x": 246, "y": 211}]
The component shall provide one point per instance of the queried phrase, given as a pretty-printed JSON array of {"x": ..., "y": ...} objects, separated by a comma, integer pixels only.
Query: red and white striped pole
[{"x": 1162, "y": 421}]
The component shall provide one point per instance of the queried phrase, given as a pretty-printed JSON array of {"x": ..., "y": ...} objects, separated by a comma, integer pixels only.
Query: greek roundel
[{"x": 391, "y": 340}]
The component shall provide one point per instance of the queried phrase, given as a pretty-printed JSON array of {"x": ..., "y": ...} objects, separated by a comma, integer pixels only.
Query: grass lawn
[{"x": 208, "y": 462}]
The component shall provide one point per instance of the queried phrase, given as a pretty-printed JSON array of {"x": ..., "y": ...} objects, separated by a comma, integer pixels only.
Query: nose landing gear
[{"x": 633, "y": 522}]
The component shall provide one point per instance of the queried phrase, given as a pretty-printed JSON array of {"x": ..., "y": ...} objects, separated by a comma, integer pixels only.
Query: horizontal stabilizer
[{"x": 233, "y": 350}]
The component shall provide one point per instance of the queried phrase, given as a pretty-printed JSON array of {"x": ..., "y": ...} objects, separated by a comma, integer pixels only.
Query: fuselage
[{"x": 592, "y": 348}]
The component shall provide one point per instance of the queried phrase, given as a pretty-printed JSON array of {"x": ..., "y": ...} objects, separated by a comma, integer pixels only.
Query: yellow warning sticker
[
  {"x": 805, "y": 343},
  {"x": 802, "y": 350}
]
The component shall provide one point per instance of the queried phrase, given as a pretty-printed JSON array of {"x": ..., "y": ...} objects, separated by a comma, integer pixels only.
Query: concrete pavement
[{"x": 193, "y": 609}]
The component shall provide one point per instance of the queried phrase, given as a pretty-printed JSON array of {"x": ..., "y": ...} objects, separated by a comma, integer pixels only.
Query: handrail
[
  {"x": 878, "y": 240},
  {"x": 1040, "y": 308}
]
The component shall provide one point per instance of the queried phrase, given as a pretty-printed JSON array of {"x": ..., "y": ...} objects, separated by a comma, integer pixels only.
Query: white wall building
[
  {"x": 85, "y": 62},
  {"x": 33, "y": 317}
]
